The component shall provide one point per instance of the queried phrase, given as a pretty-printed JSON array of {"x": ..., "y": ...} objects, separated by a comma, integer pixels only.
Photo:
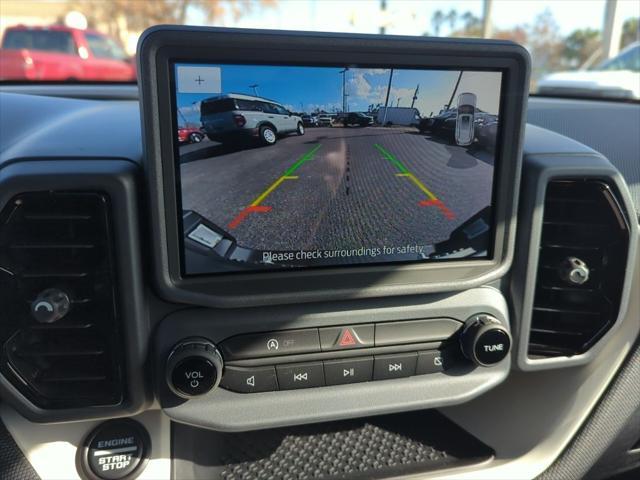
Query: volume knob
[
  {"x": 484, "y": 340},
  {"x": 194, "y": 368}
]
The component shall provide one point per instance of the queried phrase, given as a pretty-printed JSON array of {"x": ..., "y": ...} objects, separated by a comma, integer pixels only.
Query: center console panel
[{"x": 286, "y": 365}]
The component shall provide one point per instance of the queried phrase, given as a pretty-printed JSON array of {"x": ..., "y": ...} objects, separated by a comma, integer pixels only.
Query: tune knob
[
  {"x": 194, "y": 367},
  {"x": 484, "y": 340},
  {"x": 50, "y": 305}
]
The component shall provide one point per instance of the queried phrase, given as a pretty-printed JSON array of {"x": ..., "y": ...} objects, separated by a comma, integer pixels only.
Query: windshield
[
  {"x": 629, "y": 59},
  {"x": 105, "y": 47},
  {"x": 567, "y": 39}
]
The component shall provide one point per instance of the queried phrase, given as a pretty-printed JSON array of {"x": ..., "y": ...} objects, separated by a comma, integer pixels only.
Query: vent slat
[
  {"x": 572, "y": 247},
  {"x": 61, "y": 240},
  {"x": 75, "y": 379},
  {"x": 54, "y": 217},
  {"x": 52, "y": 246},
  {"x": 557, "y": 332},
  {"x": 579, "y": 221},
  {"x": 61, "y": 326},
  {"x": 58, "y": 274},
  {"x": 556, "y": 288},
  {"x": 570, "y": 223},
  {"x": 61, "y": 353},
  {"x": 564, "y": 310}
]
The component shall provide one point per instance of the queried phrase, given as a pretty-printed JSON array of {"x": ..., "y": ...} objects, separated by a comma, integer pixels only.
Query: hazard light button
[{"x": 345, "y": 338}]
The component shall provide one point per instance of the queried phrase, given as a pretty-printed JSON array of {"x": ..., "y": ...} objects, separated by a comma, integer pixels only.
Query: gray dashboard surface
[
  {"x": 608, "y": 420},
  {"x": 54, "y": 127},
  {"x": 611, "y": 128}
]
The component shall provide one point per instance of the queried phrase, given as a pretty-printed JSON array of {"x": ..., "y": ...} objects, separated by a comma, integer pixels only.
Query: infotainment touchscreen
[{"x": 290, "y": 167}]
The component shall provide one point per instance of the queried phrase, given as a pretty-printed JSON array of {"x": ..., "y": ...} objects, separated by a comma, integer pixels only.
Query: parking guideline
[
  {"x": 305, "y": 158},
  {"x": 432, "y": 199},
  {"x": 391, "y": 158},
  {"x": 271, "y": 188},
  {"x": 255, "y": 206}
]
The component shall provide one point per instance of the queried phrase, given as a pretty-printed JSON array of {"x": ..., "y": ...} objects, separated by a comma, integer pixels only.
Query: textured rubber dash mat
[
  {"x": 375, "y": 447},
  {"x": 13, "y": 464}
]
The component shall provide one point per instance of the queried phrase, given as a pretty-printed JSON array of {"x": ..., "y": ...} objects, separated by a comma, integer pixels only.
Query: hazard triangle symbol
[{"x": 347, "y": 339}]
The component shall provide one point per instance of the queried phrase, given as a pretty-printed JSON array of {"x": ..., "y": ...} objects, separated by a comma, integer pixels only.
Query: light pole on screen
[
  {"x": 386, "y": 101},
  {"x": 255, "y": 89},
  {"x": 344, "y": 88}
]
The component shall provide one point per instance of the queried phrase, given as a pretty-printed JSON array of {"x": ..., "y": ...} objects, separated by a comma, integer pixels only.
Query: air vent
[
  {"x": 60, "y": 242},
  {"x": 583, "y": 253}
]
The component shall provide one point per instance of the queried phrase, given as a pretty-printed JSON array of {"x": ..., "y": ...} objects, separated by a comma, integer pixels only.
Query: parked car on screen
[
  {"x": 486, "y": 131},
  {"x": 426, "y": 124},
  {"x": 309, "y": 121},
  {"x": 618, "y": 77},
  {"x": 190, "y": 135},
  {"x": 237, "y": 116},
  {"x": 324, "y": 120},
  {"x": 355, "y": 118},
  {"x": 465, "y": 126},
  {"x": 398, "y": 116},
  {"x": 60, "y": 53},
  {"x": 442, "y": 125}
]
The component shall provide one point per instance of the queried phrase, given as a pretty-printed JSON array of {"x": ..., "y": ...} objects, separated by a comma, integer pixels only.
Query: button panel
[
  {"x": 335, "y": 372},
  {"x": 374, "y": 358}
]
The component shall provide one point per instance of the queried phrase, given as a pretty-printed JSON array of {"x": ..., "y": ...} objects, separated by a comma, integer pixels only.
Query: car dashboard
[{"x": 109, "y": 356}]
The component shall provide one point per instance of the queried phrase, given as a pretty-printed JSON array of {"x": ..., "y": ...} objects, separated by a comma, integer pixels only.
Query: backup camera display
[{"x": 286, "y": 167}]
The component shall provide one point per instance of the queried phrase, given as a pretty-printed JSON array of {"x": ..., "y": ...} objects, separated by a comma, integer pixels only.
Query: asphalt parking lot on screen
[{"x": 337, "y": 187}]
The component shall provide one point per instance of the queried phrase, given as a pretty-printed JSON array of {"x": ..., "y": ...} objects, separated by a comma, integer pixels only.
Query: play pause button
[{"x": 348, "y": 370}]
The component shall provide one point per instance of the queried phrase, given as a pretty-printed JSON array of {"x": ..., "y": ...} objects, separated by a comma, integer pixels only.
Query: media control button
[
  {"x": 116, "y": 450},
  {"x": 344, "y": 338},
  {"x": 415, "y": 331},
  {"x": 249, "y": 380},
  {"x": 300, "y": 375},
  {"x": 433, "y": 361},
  {"x": 271, "y": 344},
  {"x": 394, "y": 366},
  {"x": 348, "y": 370}
]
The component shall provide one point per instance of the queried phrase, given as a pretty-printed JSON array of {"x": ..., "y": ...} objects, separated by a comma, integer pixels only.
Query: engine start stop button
[{"x": 115, "y": 450}]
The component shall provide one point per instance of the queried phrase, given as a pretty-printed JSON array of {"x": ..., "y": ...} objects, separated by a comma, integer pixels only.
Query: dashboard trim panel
[
  {"x": 117, "y": 178},
  {"x": 539, "y": 170}
]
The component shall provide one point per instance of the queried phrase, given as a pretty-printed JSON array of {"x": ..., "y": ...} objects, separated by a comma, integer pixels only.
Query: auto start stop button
[{"x": 115, "y": 450}]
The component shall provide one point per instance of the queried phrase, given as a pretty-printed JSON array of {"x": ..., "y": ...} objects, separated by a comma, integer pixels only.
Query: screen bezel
[{"x": 161, "y": 47}]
